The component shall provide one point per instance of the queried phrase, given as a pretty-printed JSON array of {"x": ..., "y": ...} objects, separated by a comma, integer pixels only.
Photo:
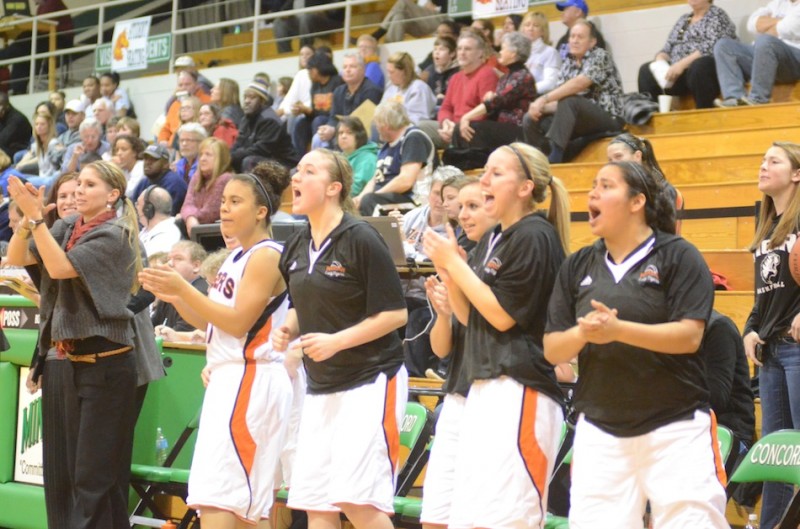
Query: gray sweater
[{"x": 94, "y": 303}]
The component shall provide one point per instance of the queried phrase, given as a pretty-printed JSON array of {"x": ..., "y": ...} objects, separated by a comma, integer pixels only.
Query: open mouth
[
  {"x": 488, "y": 200},
  {"x": 594, "y": 214}
]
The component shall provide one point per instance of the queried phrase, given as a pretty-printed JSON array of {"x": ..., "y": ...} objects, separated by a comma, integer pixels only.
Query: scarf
[{"x": 82, "y": 228}]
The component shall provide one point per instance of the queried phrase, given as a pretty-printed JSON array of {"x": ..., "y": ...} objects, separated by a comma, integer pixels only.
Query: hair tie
[{"x": 263, "y": 191}]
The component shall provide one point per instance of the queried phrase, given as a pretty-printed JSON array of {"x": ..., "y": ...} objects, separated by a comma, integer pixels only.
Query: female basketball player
[
  {"x": 634, "y": 305},
  {"x": 248, "y": 399},
  {"x": 774, "y": 324},
  {"x": 84, "y": 312},
  {"x": 347, "y": 305},
  {"x": 501, "y": 295}
]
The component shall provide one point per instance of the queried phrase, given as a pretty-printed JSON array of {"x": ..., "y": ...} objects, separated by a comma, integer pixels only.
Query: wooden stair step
[
  {"x": 784, "y": 114},
  {"x": 736, "y": 304},
  {"x": 704, "y": 144},
  {"x": 678, "y": 171},
  {"x": 735, "y": 265}
]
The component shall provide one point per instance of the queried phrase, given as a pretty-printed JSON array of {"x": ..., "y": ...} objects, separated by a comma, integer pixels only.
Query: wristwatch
[{"x": 32, "y": 224}]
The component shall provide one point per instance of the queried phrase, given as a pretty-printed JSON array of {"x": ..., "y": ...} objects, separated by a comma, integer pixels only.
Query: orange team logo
[
  {"x": 121, "y": 44},
  {"x": 484, "y": 1}
]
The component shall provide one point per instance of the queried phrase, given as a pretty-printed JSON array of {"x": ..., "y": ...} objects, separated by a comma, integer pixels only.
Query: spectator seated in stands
[
  {"x": 126, "y": 153},
  {"x": 324, "y": 80},
  {"x": 225, "y": 95},
  {"x": 281, "y": 89},
  {"x": 73, "y": 115},
  {"x": 442, "y": 68},
  {"x": 298, "y": 97},
  {"x": 159, "y": 232},
  {"x": 505, "y": 108},
  {"x": 368, "y": 48},
  {"x": 446, "y": 28},
  {"x": 210, "y": 117},
  {"x": 91, "y": 93},
  {"x": 774, "y": 57},
  {"x": 110, "y": 89},
  {"x": 204, "y": 195},
  {"x": 728, "y": 378},
  {"x": 417, "y": 18},
  {"x": 111, "y": 136},
  {"x": 103, "y": 111},
  {"x": 36, "y": 165},
  {"x": 91, "y": 133},
  {"x": 157, "y": 173},
  {"x": 347, "y": 97},
  {"x": 544, "y": 61},
  {"x": 185, "y": 258},
  {"x": 361, "y": 153},
  {"x": 308, "y": 25},
  {"x": 262, "y": 134},
  {"x": 404, "y": 87},
  {"x": 587, "y": 100},
  {"x": 189, "y": 112},
  {"x": 405, "y": 161},
  {"x": 510, "y": 24},
  {"x": 187, "y": 86},
  {"x": 58, "y": 99},
  {"x": 15, "y": 129},
  {"x": 571, "y": 12},
  {"x": 188, "y": 148},
  {"x": 129, "y": 126},
  {"x": 419, "y": 356},
  {"x": 685, "y": 65},
  {"x": 466, "y": 89}
]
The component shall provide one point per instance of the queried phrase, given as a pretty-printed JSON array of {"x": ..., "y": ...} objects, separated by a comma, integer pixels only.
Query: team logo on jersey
[
  {"x": 649, "y": 275},
  {"x": 224, "y": 284},
  {"x": 335, "y": 269},
  {"x": 769, "y": 268},
  {"x": 586, "y": 281},
  {"x": 493, "y": 266}
]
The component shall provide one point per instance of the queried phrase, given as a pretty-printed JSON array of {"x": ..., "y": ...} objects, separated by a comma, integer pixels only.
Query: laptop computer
[{"x": 390, "y": 231}]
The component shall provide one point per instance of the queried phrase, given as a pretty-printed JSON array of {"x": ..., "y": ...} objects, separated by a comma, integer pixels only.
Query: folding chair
[
  {"x": 148, "y": 481},
  {"x": 775, "y": 457}
]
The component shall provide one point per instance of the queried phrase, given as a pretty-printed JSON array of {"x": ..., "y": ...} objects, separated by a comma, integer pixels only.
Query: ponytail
[{"x": 130, "y": 220}]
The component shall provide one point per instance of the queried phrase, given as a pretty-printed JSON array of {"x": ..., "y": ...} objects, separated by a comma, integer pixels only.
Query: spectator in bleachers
[
  {"x": 203, "y": 198},
  {"x": 112, "y": 130},
  {"x": 15, "y": 129},
  {"x": 210, "y": 117},
  {"x": 405, "y": 162},
  {"x": 685, "y": 65},
  {"x": 189, "y": 148},
  {"x": 159, "y": 232},
  {"x": 485, "y": 27},
  {"x": 102, "y": 111},
  {"x": 59, "y": 100},
  {"x": 510, "y": 24},
  {"x": 157, "y": 172},
  {"x": 187, "y": 86},
  {"x": 189, "y": 112},
  {"x": 571, "y": 12},
  {"x": 773, "y": 57},
  {"x": 185, "y": 258},
  {"x": 91, "y": 93},
  {"x": 281, "y": 89},
  {"x": 225, "y": 94},
  {"x": 22, "y": 45},
  {"x": 466, "y": 88},
  {"x": 347, "y": 97},
  {"x": 91, "y": 133},
  {"x": 446, "y": 28},
  {"x": 185, "y": 62},
  {"x": 262, "y": 134},
  {"x": 36, "y": 166},
  {"x": 587, "y": 100},
  {"x": 418, "y": 18},
  {"x": 126, "y": 154},
  {"x": 73, "y": 115},
  {"x": 405, "y": 87},
  {"x": 544, "y": 61},
  {"x": 324, "y": 80},
  {"x": 504, "y": 108},
  {"x": 298, "y": 97},
  {"x": 307, "y": 25},
  {"x": 110, "y": 89},
  {"x": 362, "y": 154},
  {"x": 129, "y": 126},
  {"x": 443, "y": 67},
  {"x": 368, "y": 48}
]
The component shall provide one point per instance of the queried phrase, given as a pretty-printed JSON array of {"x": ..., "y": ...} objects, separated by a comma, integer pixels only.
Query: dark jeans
[
  {"x": 489, "y": 135},
  {"x": 418, "y": 352},
  {"x": 106, "y": 392},
  {"x": 304, "y": 129},
  {"x": 305, "y": 25},
  {"x": 700, "y": 80}
]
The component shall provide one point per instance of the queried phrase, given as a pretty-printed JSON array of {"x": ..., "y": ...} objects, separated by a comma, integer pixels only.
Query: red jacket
[{"x": 226, "y": 131}]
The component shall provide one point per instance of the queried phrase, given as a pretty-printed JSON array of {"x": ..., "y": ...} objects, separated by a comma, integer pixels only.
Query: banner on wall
[
  {"x": 497, "y": 8},
  {"x": 129, "y": 44},
  {"x": 28, "y": 452}
]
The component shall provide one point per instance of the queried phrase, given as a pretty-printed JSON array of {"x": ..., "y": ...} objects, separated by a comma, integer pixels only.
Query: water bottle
[
  {"x": 752, "y": 522},
  {"x": 162, "y": 447}
]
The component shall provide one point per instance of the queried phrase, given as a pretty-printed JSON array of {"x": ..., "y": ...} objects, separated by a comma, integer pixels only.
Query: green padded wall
[
  {"x": 22, "y": 506},
  {"x": 9, "y": 388}
]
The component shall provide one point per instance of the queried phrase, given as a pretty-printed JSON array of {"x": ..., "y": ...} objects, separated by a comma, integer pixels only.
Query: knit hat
[{"x": 261, "y": 90}]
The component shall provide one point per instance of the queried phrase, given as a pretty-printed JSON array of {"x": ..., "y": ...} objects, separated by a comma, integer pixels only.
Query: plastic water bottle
[
  {"x": 752, "y": 522},
  {"x": 162, "y": 447}
]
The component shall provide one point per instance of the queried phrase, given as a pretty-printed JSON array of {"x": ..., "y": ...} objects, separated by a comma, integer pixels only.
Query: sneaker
[{"x": 726, "y": 103}]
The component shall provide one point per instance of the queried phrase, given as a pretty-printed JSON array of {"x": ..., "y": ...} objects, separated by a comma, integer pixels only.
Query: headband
[
  {"x": 629, "y": 143},
  {"x": 263, "y": 191},
  {"x": 525, "y": 166}
]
